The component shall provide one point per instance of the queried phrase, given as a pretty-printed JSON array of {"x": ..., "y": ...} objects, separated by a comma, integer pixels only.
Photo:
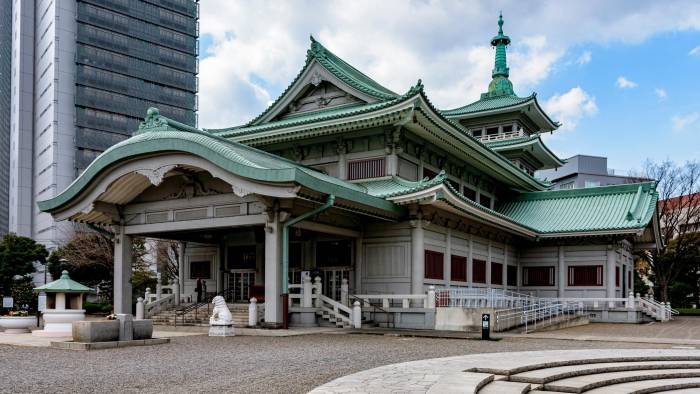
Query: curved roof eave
[{"x": 554, "y": 160}]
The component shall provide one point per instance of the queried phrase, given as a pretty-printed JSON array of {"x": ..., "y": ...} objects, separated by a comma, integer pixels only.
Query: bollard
[
  {"x": 253, "y": 312},
  {"x": 140, "y": 312},
  {"x": 356, "y": 315}
]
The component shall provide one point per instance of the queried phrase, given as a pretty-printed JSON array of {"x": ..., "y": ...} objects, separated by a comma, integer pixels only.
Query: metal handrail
[{"x": 375, "y": 307}]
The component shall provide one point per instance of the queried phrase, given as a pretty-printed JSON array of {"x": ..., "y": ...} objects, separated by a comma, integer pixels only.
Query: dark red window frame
[
  {"x": 434, "y": 263},
  {"x": 585, "y": 275},
  {"x": 478, "y": 271},
  {"x": 629, "y": 280},
  {"x": 458, "y": 271},
  {"x": 496, "y": 273},
  {"x": 538, "y": 276},
  {"x": 617, "y": 276}
]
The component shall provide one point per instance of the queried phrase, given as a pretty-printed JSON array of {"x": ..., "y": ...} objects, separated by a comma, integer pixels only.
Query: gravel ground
[{"x": 240, "y": 364}]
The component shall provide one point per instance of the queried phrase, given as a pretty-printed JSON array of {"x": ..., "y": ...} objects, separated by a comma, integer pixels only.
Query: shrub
[{"x": 97, "y": 308}]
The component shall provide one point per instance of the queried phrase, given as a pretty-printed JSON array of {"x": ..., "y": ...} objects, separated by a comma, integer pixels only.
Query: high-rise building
[
  {"x": 83, "y": 74},
  {"x": 5, "y": 67}
]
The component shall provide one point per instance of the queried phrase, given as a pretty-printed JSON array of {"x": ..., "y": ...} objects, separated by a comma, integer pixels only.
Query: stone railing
[
  {"x": 157, "y": 306},
  {"x": 502, "y": 136},
  {"x": 403, "y": 301}
]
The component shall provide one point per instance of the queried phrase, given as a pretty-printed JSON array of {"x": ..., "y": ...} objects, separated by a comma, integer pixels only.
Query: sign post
[{"x": 485, "y": 326}]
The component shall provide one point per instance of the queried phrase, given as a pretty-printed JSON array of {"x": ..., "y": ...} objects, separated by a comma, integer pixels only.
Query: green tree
[{"x": 17, "y": 257}]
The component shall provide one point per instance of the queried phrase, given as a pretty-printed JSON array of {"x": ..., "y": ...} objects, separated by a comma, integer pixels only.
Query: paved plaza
[{"x": 241, "y": 364}]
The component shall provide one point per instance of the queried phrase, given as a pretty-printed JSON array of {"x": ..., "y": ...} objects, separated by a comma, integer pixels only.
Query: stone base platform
[
  {"x": 220, "y": 330},
  {"x": 108, "y": 345}
]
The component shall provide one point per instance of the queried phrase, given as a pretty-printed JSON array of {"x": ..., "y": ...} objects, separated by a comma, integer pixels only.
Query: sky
[{"x": 621, "y": 76}]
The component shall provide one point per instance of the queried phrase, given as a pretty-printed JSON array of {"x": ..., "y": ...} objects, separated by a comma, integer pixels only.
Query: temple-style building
[{"x": 362, "y": 185}]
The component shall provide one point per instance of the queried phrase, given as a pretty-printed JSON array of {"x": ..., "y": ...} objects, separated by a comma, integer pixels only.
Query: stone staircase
[{"x": 200, "y": 316}]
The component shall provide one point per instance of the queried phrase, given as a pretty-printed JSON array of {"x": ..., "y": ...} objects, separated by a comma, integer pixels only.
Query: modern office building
[
  {"x": 583, "y": 171},
  {"x": 82, "y": 73},
  {"x": 5, "y": 69}
]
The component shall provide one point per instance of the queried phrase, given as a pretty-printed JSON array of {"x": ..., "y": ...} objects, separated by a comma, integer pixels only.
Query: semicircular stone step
[
  {"x": 546, "y": 375},
  {"x": 505, "y": 387},
  {"x": 580, "y": 384},
  {"x": 461, "y": 383},
  {"x": 651, "y": 386}
]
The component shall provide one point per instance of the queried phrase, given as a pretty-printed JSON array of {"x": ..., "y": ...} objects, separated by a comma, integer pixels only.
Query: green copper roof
[
  {"x": 394, "y": 186},
  {"x": 63, "y": 285},
  {"x": 488, "y": 104},
  {"x": 160, "y": 134},
  {"x": 606, "y": 208},
  {"x": 340, "y": 69}
]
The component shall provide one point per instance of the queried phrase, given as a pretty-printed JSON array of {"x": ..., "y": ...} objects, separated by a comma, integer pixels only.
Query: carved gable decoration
[
  {"x": 184, "y": 186},
  {"x": 320, "y": 96}
]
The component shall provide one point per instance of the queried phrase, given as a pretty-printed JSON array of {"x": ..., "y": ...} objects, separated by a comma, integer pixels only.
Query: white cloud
[
  {"x": 568, "y": 108},
  {"x": 258, "y": 47},
  {"x": 661, "y": 93},
  {"x": 624, "y": 83},
  {"x": 585, "y": 58},
  {"x": 683, "y": 122},
  {"x": 694, "y": 51}
]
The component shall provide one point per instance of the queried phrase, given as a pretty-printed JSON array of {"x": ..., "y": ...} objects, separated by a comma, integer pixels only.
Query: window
[
  {"x": 485, "y": 200},
  {"x": 476, "y": 133},
  {"x": 200, "y": 269},
  {"x": 617, "y": 276},
  {"x": 512, "y": 275},
  {"x": 333, "y": 253},
  {"x": 458, "y": 271},
  {"x": 469, "y": 193},
  {"x": 538, "y": 276},
  {"x": 507, "y": 129},
  {"x": 567, "y": 185},
  {"x": 433, "y": 265},
  {"x": 241, "y": 257},
  {"x": 492, "y": 131},
  {"x": 586, "y": 275},
  {"x": 496, "y": 273},
  {"x": 592, "y": 184},
  {"x": 295, "y": 255},
  {"x": 429, "y": 173},
  {"x": 366, "y": 168},
  {"x": 478, "y": 271}
]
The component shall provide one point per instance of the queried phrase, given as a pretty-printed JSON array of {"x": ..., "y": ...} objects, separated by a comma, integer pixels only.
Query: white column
[
  {"x": 447, "y": 264},
  {"x": 181, "y": 247},
  {"x": 561, "y": 270},
  {"x": 122, "y": 271},
  {"x": 417, "y": 256},
  {"x": 488, "y": 266},
  {"x": 359, "y": 260},
  {"x": 307, "y": 292},
  {"x": 470, "y": 263},
  {"x": 610, "y": 272},
  {"x": 504, "y": 275},
  {"x": 273, "y": 272}
]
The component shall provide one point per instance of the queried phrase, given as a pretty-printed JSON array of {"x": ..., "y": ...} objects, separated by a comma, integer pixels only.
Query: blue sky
[{"x": 621, "y": 76}]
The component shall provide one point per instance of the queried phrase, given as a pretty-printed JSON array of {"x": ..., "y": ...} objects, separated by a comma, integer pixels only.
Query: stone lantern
[{"x": 64, "y": 305}]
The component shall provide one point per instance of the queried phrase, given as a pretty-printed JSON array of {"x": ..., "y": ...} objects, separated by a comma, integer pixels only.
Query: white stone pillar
[
  {"x": 147, "y": 294},
  {"x": 431, "y": 297},
  {"x": 561, "y": 271},
  {"x": 610, "y": 273},
  {"x": 176, "y": 292},
  {"x": 417, "y": 256},
  {"x": 307, "y": 291},
  {"x": 273, "y": 272},
  {"x": 140, "y": 310},
  {"x": 319, "y": 290},
  {"x": 359, "y": 260},
  {"x": 253, "y": 312},
  {"x": 356, "y": 315},
  {"x": 344, "y": 290},
  {"x": 122, "y": 272},
  {"x": 447, "y": 259}
]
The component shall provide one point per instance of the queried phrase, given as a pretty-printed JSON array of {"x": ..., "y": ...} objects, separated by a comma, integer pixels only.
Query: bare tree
[
  {"x": 167, "y": 257},
  {"x": 679, "y": 213}
]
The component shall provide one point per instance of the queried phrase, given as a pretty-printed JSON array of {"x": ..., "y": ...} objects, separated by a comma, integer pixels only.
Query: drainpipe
[{"x": 285, "y": 254}]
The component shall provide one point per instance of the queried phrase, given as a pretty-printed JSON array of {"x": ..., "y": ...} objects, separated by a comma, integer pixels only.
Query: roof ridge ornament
[
  {"x": 500, "y": 84},
  {"x": 153, "y": 120}
]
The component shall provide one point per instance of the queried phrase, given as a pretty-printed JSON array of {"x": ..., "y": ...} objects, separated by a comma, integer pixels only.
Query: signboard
[
  {"x": 485, "y": 325},
  {"x": 42, "y": 302},
  {"x": 8, "y": 302}
]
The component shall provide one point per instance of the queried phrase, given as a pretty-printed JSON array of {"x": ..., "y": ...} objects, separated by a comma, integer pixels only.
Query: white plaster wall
[{"x": 386, "y": 265}]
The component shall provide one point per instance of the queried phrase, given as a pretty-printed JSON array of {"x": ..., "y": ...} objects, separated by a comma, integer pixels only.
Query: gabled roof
[
  {"x": 617, "y": 208},
  {"x": 488, "y": 104},
  {"x": 318, "y": 54},
  {"x": 64, "y": 285},
  {"x": 504, "y": 104},
  {"x": 532, "y": 144}
]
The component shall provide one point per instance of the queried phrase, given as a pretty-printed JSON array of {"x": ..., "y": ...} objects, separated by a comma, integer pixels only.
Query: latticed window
[
  {"x": 458, "y": 270},
  {"x": 496, "y": 273},
  {"x": 586, "y": 275},
  {"x": 479, "y": 271},
  {"x": 512, "y": 275},
  {"x": 433, "y": 265},
  {"x": 538, "y": 276},
  {"x": 366, "y": 168}
]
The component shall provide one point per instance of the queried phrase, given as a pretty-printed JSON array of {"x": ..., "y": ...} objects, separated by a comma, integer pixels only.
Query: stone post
[
  {"x": 147, "y": 295},
  {"x": 253, "y": 312},
  {"x": 126, "y": 326},
  {"x": 356, "y": 315},
  {"x": 307, "y": 289},
  {"x": 122, "y": 271},
  {"x": 630, "y": 301},
  {"x": 344, "y": 292},
  {"x": 140, "y": 310},
  {"x": 431, "y": 297},
  {"x": 273, "y": 271},
  {"x": 319, "y": 290},
  {"x": 176, "y": 292},
  {"x": 561, "y": 274}
]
